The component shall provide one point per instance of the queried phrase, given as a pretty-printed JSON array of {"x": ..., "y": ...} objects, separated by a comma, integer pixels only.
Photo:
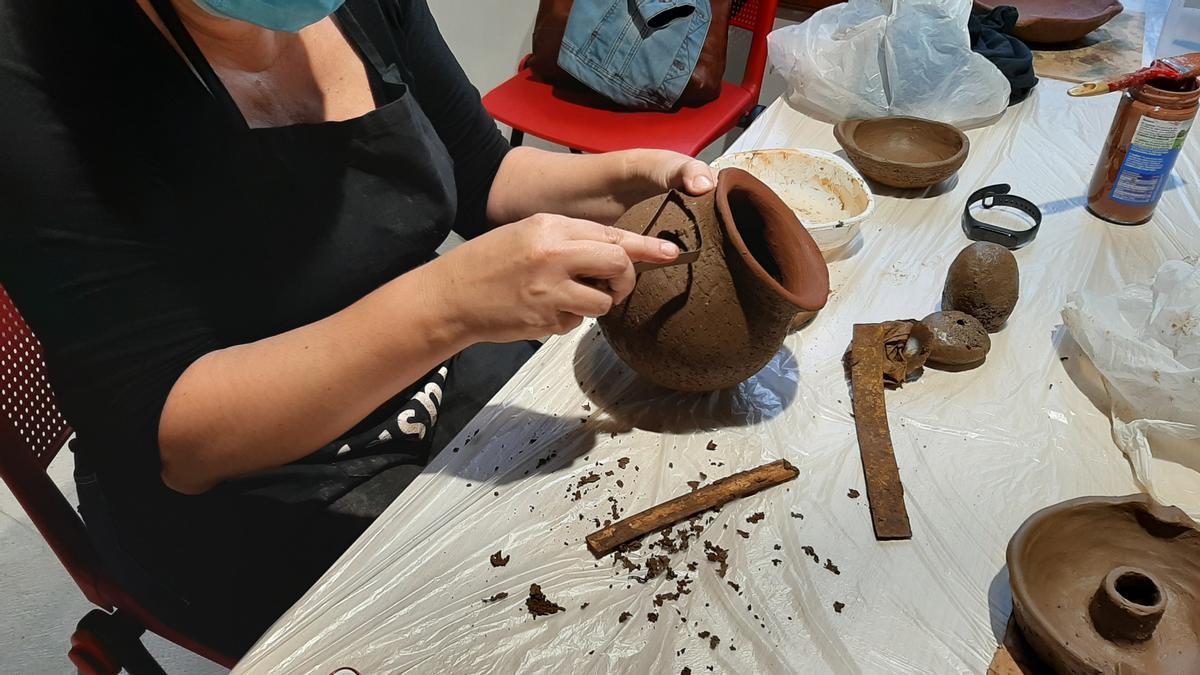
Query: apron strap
[{"x": 170, "y": 18}]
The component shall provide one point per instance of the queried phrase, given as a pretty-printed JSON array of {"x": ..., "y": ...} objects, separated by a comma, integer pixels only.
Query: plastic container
[
  {"x": 1150, "y": 126},
  {"x": 823, "y": 190}
]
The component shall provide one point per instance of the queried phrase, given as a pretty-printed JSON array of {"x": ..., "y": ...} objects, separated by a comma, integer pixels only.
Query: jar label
[{"x": 1152, "y": 152}]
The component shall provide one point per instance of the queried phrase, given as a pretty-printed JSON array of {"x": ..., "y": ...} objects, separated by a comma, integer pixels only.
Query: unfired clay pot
[
  {"x": 715, "y": 322},
  {"x": 1109, "y": 585}
]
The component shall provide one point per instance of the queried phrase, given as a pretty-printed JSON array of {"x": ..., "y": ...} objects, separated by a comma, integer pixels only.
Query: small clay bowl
[{"x": 903, "y": 152}]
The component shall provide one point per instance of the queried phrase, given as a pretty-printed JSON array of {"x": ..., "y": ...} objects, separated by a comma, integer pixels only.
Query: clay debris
[{"x": 539, "y": 605}]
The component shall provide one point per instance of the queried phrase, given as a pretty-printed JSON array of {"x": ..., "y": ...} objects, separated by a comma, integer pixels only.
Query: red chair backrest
[
  {"x": 758, "y": 17},
  {"x": 32, "y": 430}
]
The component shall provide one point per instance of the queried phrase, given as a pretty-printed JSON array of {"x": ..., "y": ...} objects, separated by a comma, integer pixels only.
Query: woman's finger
[
  {"x": 567, "y": 322},
  {"x": 583, "y": 300},
  {"x": 696, "y": 177},
  {"x": 638, "y": 247},
  {"x": 604, "y": 266}
]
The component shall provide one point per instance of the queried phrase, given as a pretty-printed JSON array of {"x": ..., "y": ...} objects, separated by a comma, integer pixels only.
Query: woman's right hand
[{"x": 539, "y": 276}]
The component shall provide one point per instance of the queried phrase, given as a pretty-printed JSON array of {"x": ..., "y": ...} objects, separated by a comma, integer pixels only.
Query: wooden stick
[
  {"x": 603, "y": 541},
  {"x": 885, "y": 493}
]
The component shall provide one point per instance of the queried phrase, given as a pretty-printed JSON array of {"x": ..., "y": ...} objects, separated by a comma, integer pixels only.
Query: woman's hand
[
  {"x": 539, "y": 276},
  {"x": 656, "y": 171},
  {"x": 595, "y": 187}
]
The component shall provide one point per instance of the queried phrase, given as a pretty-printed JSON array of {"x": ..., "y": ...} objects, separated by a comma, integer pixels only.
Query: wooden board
[{"x": 1112, "y": 49}]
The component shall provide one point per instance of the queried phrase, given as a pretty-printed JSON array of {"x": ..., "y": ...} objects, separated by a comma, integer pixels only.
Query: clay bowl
[
  {"x": 1109, "y": 585},
  {"x": 903, "y": 152},
  {"x": 1056, "y": 21}
]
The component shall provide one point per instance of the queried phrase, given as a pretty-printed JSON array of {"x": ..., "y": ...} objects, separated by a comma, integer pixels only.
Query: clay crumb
[
  {"x": 718, "y": 555},
  {"x": 694, "y": 485},
  {"x": 809, "y": 551},
  {"x": 624, "y": 617},
  {"x": 743, "y": 534},
  {"x": 734, "y": 586},
  {"x": 623, "y": 462},
  {"x": 685, "y": 671},
  {"x": 776, "y": 561},
  {"x": 499, "y": 559},
  {"x": 608, "y": 473},
  {"x": 652, "y": 617},
  {"x": 778, "y": 547},
  {"x": 620, "y": 483},
  {"x": 831, "y": 567},
  {"x": 587, "y": 407},
  {"x": 703, "y": 635},
  {"x": 798, "y": 515},
  {"x": 590, "y": 478},
  {"x": 756, "y": 517},
  {"x": 711, "y": 446},
  {"x": 713, "y": 642},
  {"x": 839, "y": 606},
  {"x": 496, "y": 598},
  {"x": 852, "y": 494},
  {"x": 538, "y": 604},
  {"x": 584, "y": 605}
]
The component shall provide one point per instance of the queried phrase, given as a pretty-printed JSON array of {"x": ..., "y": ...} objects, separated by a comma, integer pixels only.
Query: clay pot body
[
  {"x": 1056, "y": 21},
  {"x": 903, "y": 152},
  {"x": 1109, "y": 585},
  {"x": 715, "y": 322}
]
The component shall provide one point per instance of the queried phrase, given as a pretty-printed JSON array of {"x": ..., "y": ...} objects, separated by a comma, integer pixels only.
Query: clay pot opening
[
  {"x": 1138, "y": 589},
  {"x": 759, "y": 226}
]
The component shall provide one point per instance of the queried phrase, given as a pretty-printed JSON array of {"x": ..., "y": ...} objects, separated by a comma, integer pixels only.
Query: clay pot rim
[
  {"x": 845, "y": 131},
  {"x": 1113, "y": 8},
  {"x": 816, "y": 295},
  {"x": 1167, "y": 514}
]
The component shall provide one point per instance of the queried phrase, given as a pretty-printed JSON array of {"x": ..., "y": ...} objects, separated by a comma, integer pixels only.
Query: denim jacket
[{"x": 639, "y": 53}]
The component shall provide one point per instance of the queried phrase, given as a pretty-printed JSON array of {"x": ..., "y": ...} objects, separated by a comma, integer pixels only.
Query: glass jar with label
[{"x": 1150, "y": 126}]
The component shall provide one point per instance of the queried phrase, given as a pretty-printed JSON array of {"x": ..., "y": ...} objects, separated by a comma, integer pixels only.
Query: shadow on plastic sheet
[
  {"x": 999, "y": 604},
  {"x": 1080, "y": 369},
  {"x": 631, "y": 402},
  {"x": 523, "y": 442},
  {"x": 1065, "y": 204}
]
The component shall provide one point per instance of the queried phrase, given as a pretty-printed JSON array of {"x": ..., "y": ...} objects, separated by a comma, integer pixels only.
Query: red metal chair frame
[
  {"x": 32, "y": 431},
  {"x": 586, "y": 122}
]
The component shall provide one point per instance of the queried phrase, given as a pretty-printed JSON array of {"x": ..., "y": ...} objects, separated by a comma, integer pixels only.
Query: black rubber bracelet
[{"x": 997, "y": 195}]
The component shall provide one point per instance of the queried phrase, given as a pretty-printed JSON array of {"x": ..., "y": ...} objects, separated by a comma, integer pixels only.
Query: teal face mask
[{"x": 282, "y": 15}]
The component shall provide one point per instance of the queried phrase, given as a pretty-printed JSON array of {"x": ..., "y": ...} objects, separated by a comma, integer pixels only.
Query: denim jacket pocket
[{"x": 639, "y": 53}]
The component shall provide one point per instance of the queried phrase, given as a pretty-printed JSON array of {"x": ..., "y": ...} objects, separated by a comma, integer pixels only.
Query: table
[{"x": 978, "y": 452}]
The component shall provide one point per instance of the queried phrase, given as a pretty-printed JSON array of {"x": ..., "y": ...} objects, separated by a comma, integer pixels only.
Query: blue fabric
[
  {"x": 279, "y": 15},
  {"x": 639, "y": 53}
]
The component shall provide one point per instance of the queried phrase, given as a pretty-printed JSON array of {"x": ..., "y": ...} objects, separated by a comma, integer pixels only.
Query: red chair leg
[{"x": 105, "y": 643}]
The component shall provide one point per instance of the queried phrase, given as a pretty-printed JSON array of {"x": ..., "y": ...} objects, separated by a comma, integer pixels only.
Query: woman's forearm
[
  {"x": 593, "y": 187},
  {"x": 273, "y": 401}
]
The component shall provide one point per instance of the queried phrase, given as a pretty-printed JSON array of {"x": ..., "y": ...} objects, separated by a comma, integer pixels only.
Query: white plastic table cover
[{"x": 978, "y": 451}]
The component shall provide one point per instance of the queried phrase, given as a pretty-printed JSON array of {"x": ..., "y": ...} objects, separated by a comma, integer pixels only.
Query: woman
[{"x": 220, "y": 218}]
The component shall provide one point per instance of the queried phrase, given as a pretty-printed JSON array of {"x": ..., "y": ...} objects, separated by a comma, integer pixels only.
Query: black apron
[{"x": 223, "y": 565}]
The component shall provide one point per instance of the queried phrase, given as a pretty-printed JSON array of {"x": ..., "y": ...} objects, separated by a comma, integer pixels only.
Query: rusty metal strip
[{"x": 885, "y": 493}]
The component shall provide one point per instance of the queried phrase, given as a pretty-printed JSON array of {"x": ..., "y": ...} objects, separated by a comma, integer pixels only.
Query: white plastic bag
[
  {"x": 871, "y": 58},
  {"x": 1145, "y": 341}
]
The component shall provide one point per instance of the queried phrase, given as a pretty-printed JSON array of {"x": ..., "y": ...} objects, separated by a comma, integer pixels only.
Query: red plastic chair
[
  {"x": 585, "y": 121},
  {"x": 32, "y": 431}
]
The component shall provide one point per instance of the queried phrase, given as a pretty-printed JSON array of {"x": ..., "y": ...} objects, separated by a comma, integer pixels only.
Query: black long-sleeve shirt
[{"x": 137, "y": 234}]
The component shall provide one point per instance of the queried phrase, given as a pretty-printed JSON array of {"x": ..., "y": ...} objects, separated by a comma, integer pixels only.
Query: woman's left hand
[{"x": 656, "y": 171}]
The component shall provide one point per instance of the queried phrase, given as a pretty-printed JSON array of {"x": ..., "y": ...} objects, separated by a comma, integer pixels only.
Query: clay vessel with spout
[{"x": 718, "y": 315}]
